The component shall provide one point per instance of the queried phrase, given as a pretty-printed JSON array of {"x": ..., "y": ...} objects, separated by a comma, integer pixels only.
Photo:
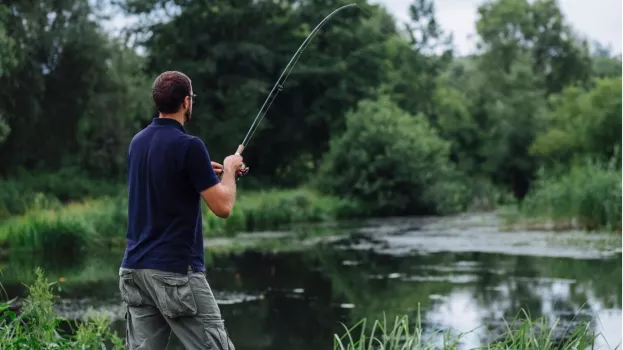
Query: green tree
[
  {"x": 583, "y": 124},
  {"x": 391, "y": 163},
  {"x": 510, "y": 28},
  {"x": 236, "y": 56},
  {"x": 66, "y": 80},
  {"x": 418, "y": 61}
]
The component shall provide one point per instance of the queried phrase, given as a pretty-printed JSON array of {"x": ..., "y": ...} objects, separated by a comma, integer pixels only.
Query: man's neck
[{"x": 179, "y": 117}]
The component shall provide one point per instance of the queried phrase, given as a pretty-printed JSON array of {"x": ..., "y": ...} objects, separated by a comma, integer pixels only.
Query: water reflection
[{"x": 296, "y": 300}]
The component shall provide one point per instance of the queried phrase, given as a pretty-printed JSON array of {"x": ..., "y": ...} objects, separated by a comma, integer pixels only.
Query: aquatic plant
[
  {"x": 521, "y": 334},
  {"x": 37, "y": 327}
]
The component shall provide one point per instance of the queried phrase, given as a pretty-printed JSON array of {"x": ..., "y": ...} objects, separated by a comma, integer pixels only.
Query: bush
[
  {"x": 16, "y": 199},
  {"x": 589, "y": 194},
  {"x": 37, "y": 327},
  {"x": 68, "y": 184},
  {"x": 392, "y": 163},
  {"x": 24, "y": 191}
]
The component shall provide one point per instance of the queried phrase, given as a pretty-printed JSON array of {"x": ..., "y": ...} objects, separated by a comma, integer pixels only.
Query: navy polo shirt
[{"x": 167, "y": 169}]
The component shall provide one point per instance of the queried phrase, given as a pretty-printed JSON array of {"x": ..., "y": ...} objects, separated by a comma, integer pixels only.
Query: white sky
[{"x": 595, "y": 19}]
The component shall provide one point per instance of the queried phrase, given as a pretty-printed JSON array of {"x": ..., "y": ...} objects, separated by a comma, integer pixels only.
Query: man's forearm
[{"x": 228, "y": 181}]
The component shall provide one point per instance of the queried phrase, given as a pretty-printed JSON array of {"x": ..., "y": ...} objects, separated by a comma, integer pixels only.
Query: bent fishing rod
[{"x": 279, "y": 85}]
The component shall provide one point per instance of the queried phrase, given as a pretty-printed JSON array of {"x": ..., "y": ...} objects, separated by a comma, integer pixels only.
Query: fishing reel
[
  {"x": 243, "y": 170},
  {"x": 239, "y": 173}
]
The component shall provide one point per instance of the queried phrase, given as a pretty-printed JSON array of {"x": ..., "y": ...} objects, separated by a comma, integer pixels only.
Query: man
[{"x": 162, "y": 278}]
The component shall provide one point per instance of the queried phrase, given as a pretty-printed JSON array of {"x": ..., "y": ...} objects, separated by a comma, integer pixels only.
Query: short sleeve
[{"x": 199, "y": 166}]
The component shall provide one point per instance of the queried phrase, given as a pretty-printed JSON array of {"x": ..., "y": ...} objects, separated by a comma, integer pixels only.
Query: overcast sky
[{"x": 597, "y": 19}]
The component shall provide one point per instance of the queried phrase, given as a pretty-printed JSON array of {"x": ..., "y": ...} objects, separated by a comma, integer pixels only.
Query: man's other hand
[{"x": 217, "y": 167}]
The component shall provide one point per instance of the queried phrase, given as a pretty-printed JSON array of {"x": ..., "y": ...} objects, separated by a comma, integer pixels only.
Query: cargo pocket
[
  {"x": 130, "y": 293},
  {"x": 218, "y": 339},
  {"x": 175, "y": 296}
]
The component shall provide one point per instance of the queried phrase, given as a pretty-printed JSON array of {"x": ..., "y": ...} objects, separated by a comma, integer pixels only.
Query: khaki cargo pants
[{"x": 159, "y": 302}]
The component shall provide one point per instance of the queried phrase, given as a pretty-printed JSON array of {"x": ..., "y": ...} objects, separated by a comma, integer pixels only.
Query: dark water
[{"x": 297, "y": 299}]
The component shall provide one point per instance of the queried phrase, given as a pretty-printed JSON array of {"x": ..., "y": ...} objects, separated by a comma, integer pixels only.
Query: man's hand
[
  {"x": 217, "y": 167},
  {"x": 233, "y": 163}
]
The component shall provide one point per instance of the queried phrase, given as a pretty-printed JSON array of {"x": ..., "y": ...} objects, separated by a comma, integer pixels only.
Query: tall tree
[
  {"x": 510, "y": 28},
  {"x": 64, "y": 71},
  {"x": 234, "y": 58}
]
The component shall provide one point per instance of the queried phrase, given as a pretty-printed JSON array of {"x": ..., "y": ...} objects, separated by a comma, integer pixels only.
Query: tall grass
[
  {"x": 100, "y": 223},
  {"x": 274, "y": 209},
  {"x": 588, "y": 197},
  {"x": 522, "y": 334},
  {"x": 37, "y": 327},
  {"x": 73, "y": 227}
]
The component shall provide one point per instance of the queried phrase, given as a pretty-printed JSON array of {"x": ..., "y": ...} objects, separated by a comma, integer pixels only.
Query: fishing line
[
  {"x": 279, "y": 84},
  {"x": 278, "y": 87}
]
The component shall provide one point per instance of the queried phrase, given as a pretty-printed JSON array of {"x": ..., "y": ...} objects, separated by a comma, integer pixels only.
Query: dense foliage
[{"x": 376, "y": 111}]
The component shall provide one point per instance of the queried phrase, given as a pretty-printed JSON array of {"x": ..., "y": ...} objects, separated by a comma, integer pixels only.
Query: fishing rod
[{"x": 279, "y": 86}]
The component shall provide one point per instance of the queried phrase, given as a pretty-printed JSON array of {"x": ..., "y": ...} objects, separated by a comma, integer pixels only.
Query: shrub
[
  {"x": 392, "y": 163},
  {"x": 16, "y": 199},
  {"x": 25, "y": 191}
]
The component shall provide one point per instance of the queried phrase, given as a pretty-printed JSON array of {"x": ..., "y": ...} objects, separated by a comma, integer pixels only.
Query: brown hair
[{"x": 169, "y": 90}]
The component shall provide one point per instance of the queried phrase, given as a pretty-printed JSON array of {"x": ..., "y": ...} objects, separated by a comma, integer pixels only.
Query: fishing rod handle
[
  {"x": 239, "y": 150},
  {"x": 243, "y": 169}
]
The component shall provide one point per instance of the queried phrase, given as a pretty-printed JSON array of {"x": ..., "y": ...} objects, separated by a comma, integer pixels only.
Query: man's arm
[
  {"x": 218, "y": 195},
  {"x": 221, "y": 197}
]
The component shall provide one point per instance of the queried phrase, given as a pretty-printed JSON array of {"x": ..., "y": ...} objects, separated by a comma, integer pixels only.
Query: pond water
[{"x": 292, "y": 292}]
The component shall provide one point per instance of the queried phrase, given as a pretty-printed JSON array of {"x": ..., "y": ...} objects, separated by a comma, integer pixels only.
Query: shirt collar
[{"x": 168, "y": 122}]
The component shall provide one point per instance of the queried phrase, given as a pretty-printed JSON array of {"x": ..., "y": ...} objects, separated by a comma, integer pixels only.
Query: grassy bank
[
  {"x": 92, "y": 224},
  {"x": 37, "y": 327},
  {"x": 587, "y": 197},
  {"x": 521, "y": 334}
]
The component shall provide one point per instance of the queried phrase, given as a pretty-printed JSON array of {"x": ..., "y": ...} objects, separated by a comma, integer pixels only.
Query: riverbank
[
  {"x": 97, "y": 223},
  {"x": 47, "y": 213},
  {"x": 587, "y": 197},
  {"x": 37, "y": 324},
  {"x": 305, "y": 282},
  {"x": 82, "y": 226}
]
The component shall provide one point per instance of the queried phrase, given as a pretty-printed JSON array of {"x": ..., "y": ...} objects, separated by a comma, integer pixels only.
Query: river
[{"x": 291, "y": 290}]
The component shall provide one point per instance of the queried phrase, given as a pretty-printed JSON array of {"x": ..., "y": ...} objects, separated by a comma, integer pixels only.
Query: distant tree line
[{"x": 374, "y": 109}]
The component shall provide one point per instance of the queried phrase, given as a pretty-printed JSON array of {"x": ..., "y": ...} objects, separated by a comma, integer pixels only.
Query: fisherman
[{"x": 162, "y": 275}]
